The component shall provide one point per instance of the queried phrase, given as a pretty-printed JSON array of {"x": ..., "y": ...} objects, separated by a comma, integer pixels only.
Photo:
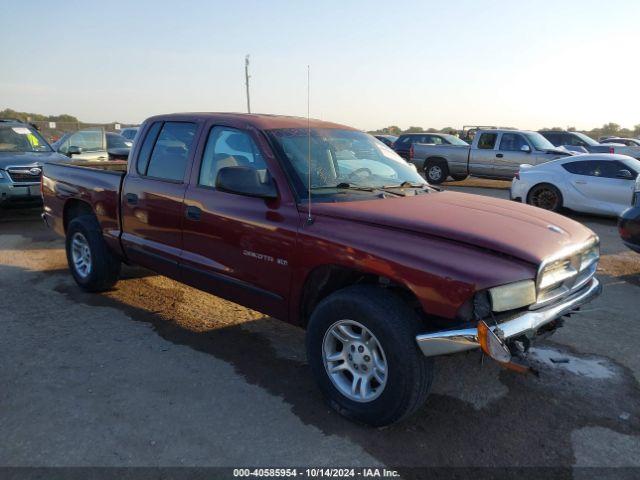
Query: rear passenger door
[
  {"x": 153, "y": 195},
  {"x": 481, "y": 157}
]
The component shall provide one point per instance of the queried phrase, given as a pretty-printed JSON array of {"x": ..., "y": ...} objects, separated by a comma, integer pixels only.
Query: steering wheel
[{"x": 357, "y": 171}]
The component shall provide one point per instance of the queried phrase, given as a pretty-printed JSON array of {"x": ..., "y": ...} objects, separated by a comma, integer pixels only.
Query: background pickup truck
[
  {"x": 492, "y": 154},
  {"x": 383, "y": 271}
]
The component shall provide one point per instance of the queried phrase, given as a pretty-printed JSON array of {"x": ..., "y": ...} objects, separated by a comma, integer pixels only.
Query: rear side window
[
  {"x": 147, "y": 148},
  {"x": 580, "y": 168},
  {"x": 487, "y": 141},
  {"x": 171, "y": 151}
]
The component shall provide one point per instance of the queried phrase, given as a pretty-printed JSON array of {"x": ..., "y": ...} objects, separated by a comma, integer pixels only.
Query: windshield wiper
[{"x": 353, "y": 186}]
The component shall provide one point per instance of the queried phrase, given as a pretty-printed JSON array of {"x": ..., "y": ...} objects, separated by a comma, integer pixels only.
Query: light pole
[{"x": 246, "y": 80}]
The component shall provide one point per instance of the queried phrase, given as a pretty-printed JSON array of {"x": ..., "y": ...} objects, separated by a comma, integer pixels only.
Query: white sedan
[{"x": 603, "y": 184}]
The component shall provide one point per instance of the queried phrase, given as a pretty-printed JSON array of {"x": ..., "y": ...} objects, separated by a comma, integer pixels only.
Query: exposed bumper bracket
[{"x": 527, "y": 323}]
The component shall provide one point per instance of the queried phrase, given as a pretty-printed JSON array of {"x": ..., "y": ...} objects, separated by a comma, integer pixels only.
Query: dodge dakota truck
[
  {"x": 323, "y": 226},
  {"x": 492, "y": 154}
]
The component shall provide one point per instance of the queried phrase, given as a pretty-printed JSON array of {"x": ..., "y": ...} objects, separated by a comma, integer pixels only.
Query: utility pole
[{"x": 246, "y": 80}]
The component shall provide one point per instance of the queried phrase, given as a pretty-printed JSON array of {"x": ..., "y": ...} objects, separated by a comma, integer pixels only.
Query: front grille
[
  {"x": 25, "y": 175},
  {"x": 562, "y": 276}
]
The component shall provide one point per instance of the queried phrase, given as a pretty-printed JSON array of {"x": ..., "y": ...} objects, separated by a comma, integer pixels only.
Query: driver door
[
  {"x": 510, "y": 155},
  {"x": 237, "y": 246}
]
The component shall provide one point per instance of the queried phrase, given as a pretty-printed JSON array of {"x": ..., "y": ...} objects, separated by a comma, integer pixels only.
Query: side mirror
[
  {"x": 73, "y": 150},
  {"x": 525, "y": 148},
  {"x": 245, "y": 181},
  {"x": 625, "y": 174}
]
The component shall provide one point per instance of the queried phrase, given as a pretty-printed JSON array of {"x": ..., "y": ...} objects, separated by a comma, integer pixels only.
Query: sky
[{"x": 526, "y": 64}]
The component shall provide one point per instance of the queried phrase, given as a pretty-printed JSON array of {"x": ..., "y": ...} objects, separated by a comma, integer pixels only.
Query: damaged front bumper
[{"x": 524, "y": 324}]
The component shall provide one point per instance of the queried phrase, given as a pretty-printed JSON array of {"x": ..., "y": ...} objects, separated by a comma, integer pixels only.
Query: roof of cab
[{"x": 260, "y": 121}]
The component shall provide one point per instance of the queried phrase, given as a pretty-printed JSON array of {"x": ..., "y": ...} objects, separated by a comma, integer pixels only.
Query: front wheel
[
  {"x": 93, "y": 266},
  {"x": 436, "y": 171},
  {"x": 363, "y": 354},
  {"x": 545, "y": 196}
]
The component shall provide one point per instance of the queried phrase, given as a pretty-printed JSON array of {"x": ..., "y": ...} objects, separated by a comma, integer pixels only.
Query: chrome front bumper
[{"x": 527, "y": 323}]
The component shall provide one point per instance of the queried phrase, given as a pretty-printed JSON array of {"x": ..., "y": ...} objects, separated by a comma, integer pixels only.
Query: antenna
[{"x": 309, "y": 217}]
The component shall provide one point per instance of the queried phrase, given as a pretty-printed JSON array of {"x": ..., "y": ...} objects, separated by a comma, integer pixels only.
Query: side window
[
  {"x": 512, "y": 142},
  {"x": 611, "y": 169},
  {"x": 487, "y": 141},
  {"x": 228, "y": 147},
  {"x": 581, "y": 168},
  {"x": 171, "y": 151},
  {"x": 554, "y": 138},
  {"x": 147, "y": 148},
  {"x": 574, "y": 141}
]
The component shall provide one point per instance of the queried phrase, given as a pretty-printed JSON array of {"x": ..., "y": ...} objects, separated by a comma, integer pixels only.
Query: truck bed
[{"x": 85, "y": 184}]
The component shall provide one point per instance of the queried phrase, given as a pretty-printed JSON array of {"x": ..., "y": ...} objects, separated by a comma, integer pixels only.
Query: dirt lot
[{"x": 154, "y": 373}]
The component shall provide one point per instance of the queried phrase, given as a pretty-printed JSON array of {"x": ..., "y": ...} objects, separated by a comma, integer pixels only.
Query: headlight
[{"x": 512, "y": 295}]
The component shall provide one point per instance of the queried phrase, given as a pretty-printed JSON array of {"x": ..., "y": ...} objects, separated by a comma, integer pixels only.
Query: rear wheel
[
  {"x": 363, "y": 354},
  {"x": 436, "y": 171},
  {"x": 93, "y": 266},
  {"x": 545, "y": 196}
]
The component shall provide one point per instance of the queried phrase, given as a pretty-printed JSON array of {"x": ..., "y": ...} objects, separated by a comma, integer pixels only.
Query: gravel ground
[{"x": 154, "y": 373}]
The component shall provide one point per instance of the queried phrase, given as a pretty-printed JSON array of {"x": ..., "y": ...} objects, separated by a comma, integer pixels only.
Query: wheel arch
[
  {"x": 543, "y": 183},
  {"x": 74, "y": 208},
  {"x": 324, "y": 280}
]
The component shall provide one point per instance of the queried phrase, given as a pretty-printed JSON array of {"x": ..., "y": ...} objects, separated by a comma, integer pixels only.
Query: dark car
[
  {"x": 629, "y": 225},
  {"x": 22, "y": 154},
  {"x": 93, "y": 144},
  {"x": 575, "y": 141},
  {"x": 402, "y": 146},
  {"x": 387, "y": 139}
]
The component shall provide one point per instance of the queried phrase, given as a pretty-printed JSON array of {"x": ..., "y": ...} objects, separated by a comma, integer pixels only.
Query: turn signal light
[{"x": 492, "y": 345}]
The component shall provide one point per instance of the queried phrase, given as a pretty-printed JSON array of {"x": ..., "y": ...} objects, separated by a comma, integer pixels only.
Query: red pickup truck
[{"x": 325, "y": 227}]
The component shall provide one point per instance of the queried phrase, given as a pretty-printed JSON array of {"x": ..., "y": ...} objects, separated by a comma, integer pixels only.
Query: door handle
[
  {"x": 193, "y": 213},
  {"x": 580, "y": 182},
  {"x": 499, "y": 155},
  {"x": 131, "y": 198}
]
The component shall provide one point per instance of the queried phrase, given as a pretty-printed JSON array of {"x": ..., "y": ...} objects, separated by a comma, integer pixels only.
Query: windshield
[
  {"x": 453, "y": 140},
  {"x": 539, "y": 142},
  {"x": 21, "y": 138},
  {"x": 341, "y": 158}
]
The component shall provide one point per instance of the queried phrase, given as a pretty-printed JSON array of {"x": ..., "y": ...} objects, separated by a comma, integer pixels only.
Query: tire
[
  {"x": 546, "y": 196},
  {"x": 84, "y": 241},
  {"x": 436, "y": 171},
  {"x": 393, "y": 326},
  {"x": 459, "y": 177}
]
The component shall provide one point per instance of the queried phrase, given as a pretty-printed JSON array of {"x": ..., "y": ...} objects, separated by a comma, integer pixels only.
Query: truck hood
[
  {"x": 23, "y": 159},
  {"x": 511, "y": 228}
]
